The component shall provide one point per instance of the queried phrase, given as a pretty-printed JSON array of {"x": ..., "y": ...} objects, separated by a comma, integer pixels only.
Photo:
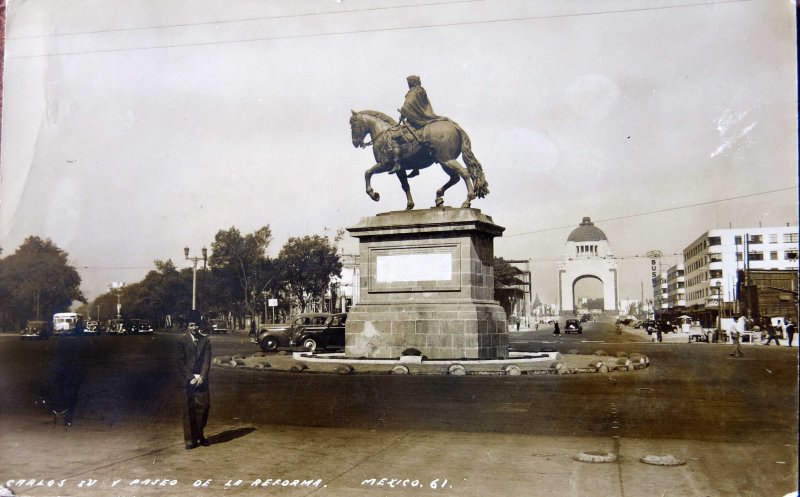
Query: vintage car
[
  {"x": 91, "y": 328},
  {"x": 141, "y": 327},
  {"x": 218, "y": 325},
  {"x": 573, "y": 326},
  {"x": 118, "y": 327},
  {"x": 660, "y": 325},
  {"x": 36, "y": 330},
  {"x": 327, "y": 336},
  {"x": 272, "y": 337}
]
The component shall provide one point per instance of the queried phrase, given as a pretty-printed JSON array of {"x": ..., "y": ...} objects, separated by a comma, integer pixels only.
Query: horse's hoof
[
  {"x": 439, "y": 201},
  {"x": 409, "y": 206},
  {"x": 465, "y": 205},
  {"x": 374, "y": 196}
]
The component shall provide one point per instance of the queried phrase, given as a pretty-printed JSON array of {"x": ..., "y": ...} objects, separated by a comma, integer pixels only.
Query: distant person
[
  {"x": 771, "y": 335},
  {"x": 790, "y": 330},
  {"x": 556, "y": 329},
  {"x": 252, "y": 327},
  {"x": 194, "y": 365},
  {"x": 734, "y": 334},
  {"x": 517, "y": 324}
]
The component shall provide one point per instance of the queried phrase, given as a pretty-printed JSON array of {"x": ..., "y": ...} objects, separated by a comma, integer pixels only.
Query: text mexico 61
[{"x": 437, "y": 484}]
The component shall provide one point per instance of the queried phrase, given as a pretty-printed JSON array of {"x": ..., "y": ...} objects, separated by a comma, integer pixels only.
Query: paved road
[{"x": 735, "y": 419}]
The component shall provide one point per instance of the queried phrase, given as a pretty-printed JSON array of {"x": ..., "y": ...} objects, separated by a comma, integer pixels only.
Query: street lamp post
[
  {"x": 195, "y": 260},
  {"x": 115, "y": 288},
  {"x": 719, "y": 312}
]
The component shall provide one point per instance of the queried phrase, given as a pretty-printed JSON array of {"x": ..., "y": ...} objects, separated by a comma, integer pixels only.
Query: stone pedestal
[{"x": 427, "y": 283}]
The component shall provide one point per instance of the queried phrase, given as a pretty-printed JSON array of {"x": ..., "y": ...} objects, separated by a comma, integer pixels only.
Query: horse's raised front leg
[
  {"x": 377, "y": 168},
  {"x": 454, "y": 177},
  {"x": 401, "y": 175},
  {"x": 454, "y": 165}
]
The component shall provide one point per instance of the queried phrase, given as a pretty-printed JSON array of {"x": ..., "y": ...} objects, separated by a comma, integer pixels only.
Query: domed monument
[{"x": 587, "y": 255}]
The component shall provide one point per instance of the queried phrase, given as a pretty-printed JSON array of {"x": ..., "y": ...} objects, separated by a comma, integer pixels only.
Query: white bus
[{"x": 65, "y": 323}]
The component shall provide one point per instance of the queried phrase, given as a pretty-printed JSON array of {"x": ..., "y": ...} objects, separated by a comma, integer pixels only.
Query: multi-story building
[
  {"x": 660, "y": 295},
  {"x": 676, "y": 288},
  {"x": 712, "y": 263}
]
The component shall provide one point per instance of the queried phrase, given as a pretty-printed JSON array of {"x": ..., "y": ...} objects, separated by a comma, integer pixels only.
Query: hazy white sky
[{"x": 132, "y": 129}]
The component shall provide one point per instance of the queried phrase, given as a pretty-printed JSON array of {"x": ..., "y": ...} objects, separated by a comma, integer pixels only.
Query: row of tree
[{"x": 37, "y": 280}]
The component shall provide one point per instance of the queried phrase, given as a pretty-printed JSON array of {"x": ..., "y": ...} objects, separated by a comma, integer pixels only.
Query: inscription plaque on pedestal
[{"x": 427, "y": 283}]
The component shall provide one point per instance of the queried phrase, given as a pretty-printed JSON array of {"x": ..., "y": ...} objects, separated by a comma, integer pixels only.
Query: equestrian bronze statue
[{"x": 423, "y": 140}]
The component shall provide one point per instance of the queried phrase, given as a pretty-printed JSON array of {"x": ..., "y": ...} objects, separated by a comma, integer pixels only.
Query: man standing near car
[{"x": 194, "y": 365}]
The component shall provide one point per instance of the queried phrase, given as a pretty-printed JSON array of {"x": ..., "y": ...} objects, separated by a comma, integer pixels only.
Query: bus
[{"x": 66, "y": 323}]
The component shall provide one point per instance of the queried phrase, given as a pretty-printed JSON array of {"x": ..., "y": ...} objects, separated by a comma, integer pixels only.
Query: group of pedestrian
[{"x": 786, "y": 326}]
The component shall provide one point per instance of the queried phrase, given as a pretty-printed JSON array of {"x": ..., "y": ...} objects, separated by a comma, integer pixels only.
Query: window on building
[
  {"x": 790, "y": 237},
  {"x": 755, "y": 256},
  {"x": 714, "y": 240},
  {"x": 737, "y": 240},
  {"x": 755, "y": 239},
  {"x": 773, "y": 238},
  {"x": 773, "y": 256},
  {"x": 790, "y": 255},
  {"x": 715, "y": 258},
  {"x": 715, "y": 273},
  {"x": 739, "y": 256}
]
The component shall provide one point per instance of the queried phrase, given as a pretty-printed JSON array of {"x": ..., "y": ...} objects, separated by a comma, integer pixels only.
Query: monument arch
[{"x": 587, "y": 254}]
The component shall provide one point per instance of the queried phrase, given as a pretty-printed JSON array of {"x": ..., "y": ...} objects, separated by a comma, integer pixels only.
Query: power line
[
  {"x": 241, "y": 20},
  {"x": 373, "y": 30},
  {"x": 660, "y": 211}
]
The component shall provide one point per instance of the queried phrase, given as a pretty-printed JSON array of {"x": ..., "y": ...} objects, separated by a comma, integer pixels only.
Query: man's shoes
[
  {"x": 191, "y": 446},
  {"x": 204, "y": 442}
]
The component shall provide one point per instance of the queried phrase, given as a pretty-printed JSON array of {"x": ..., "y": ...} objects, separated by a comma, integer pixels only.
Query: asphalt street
[{"x": 732, "y": 420}]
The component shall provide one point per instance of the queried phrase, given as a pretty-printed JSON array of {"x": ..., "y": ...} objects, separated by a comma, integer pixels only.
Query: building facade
[{"x": 713, "y": 263}]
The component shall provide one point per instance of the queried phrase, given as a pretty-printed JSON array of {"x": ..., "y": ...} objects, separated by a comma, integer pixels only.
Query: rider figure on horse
[{"x": 416, "y": 112}]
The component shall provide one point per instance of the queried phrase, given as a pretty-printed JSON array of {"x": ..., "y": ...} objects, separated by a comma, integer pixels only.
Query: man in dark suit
[{"x": 194, "y": 365}]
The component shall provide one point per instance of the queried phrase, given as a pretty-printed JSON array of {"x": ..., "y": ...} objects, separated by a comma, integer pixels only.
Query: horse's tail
[{"x": 479, "y": 183}]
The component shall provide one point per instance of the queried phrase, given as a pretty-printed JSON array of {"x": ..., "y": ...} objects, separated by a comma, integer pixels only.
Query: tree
[
  {"x": 240, "y": 267},
  {"x": 506, "y": 283},
  {"x": 307, "y": 265},
  {"x": 37, "y": 281}
]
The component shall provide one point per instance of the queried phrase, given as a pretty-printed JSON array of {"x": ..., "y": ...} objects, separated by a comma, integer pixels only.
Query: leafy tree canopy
[
  {"x": 307, "y": 265},
  {"x": 37, "y": 281}
]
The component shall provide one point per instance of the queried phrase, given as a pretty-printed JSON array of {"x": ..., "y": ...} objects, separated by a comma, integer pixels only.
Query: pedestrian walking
[
  {"x": 658, "y": 334},
  {"x": 771, "y": 335},
  {"x": 733, "y": 333},
  {"x": 517, "y": 324},
  {"x": 536, "y": 326},
  {"x": 194, "y": 365},
  {"x": 790, "y": 330},
  {"x": 556, "y": 330}
]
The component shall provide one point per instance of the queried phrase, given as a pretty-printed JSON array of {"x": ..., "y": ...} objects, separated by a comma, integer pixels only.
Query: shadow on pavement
[{"x": 228, "y": 435}]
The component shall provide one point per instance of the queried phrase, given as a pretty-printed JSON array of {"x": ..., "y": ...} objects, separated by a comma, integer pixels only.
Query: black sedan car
[
  {"x": 573, "y": 326},
  {"x": 272, "y": 337},
  {"x": 328, "y": 336},
  {"x": 37, "y": 330}
]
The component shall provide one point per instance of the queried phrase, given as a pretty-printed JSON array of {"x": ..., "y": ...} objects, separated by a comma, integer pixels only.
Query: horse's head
[{"x": 358, "y": 129}]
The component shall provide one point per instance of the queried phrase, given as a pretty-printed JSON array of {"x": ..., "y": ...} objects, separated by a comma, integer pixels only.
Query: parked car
[
  {"x": 661, "y": 324},
  {"x": 328, "y": 336},
  {"x": 117, "y": 327},
  {"x": 36, "y": 330},
  {"x": 273, "y": 337},
  {"x": 573, "y": 326},
  {"x": 218, "y": 325},
  {"x": 141, "y": 327},
  {"x": 91, "y": 328}
]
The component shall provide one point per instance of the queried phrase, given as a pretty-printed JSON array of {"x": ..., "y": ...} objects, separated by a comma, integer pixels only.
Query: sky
[{"x": 132, "y": 129}]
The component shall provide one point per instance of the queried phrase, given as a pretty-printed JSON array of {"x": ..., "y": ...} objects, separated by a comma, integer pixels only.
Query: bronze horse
[{"x": 442, "y": 142}]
